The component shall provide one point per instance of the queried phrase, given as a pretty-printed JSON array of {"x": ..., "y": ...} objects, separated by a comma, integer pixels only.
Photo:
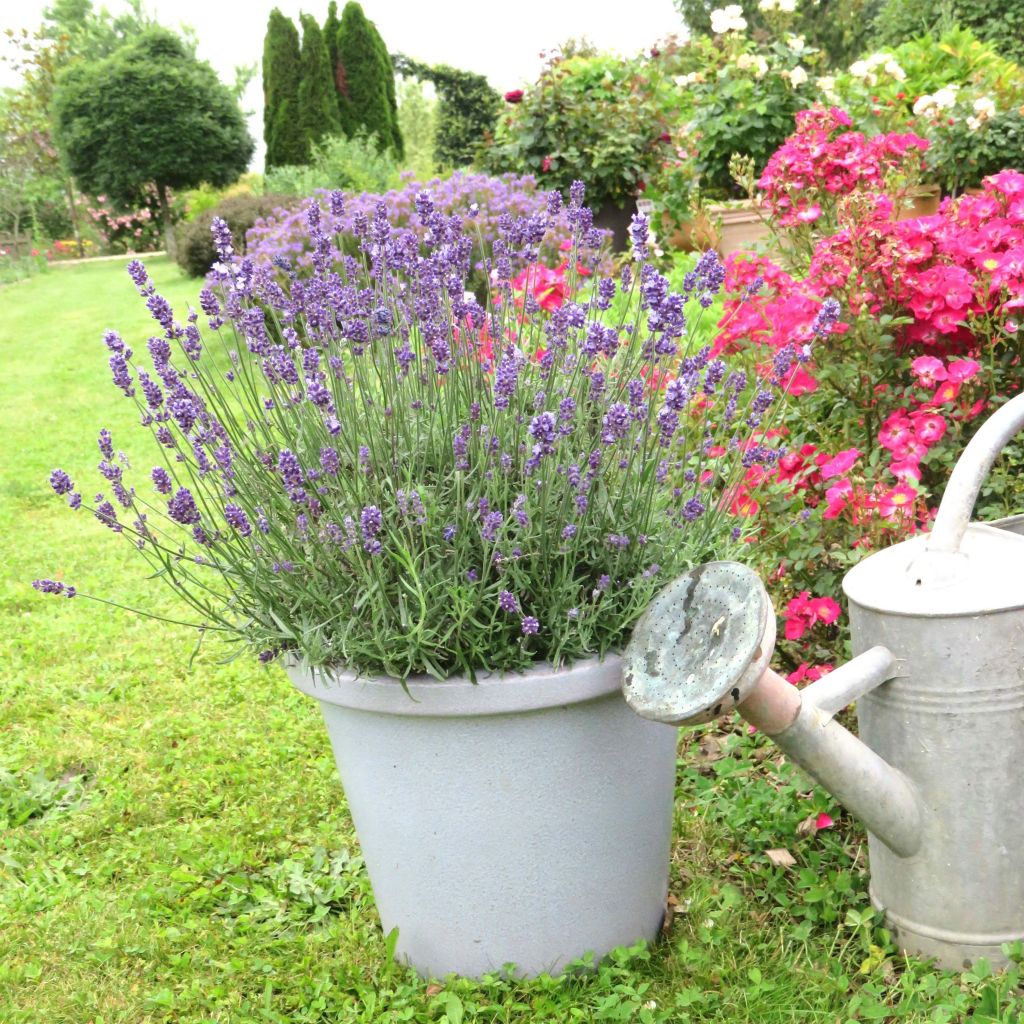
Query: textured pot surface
[{"x": 522, "y": 819}]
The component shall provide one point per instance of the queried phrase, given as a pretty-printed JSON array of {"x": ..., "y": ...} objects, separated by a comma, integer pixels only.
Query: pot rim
[{"x": 493, "y": 694}]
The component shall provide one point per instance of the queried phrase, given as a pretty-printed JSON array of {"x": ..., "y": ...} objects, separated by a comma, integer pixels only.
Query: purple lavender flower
[
  {"x": 449, "y": 533},
  {"x": 508, "y": 602},
  {"x": 505, "y": 379},
  {"x": 137, "y": 272},
  {"x": 105, "y": 514},
  {"x": 329, "y": 461},
  {"x": 291, "y": 473},
  {"x": 236, "y": 518},
  {"x": 529, "y": 625},
  {"x": 826, "y": 318},
  {"x": 370, "y": 523},
  {"x": 616, "y": 423},
  {"x": 693, "y": 509},
  {"x": 638, "y": 235},
  {"x": 222, "y": 240},
  {"x": 182, "y": 507},
  {"x": 53, "y": 587},
  {"x": 61, "y": 482},
  {"x": 119, "y": 372}
]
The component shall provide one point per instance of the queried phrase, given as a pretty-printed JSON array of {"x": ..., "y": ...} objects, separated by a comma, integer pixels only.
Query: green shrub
[
  {"x": 195, "y": 244},
  {"x": 999, "y": 22},
  {"x": 282, "y": 72},
  {"x": 591, "y": 118},
  {"x": 354, "y": 164},
  {"x": 192, "y": 202},
  {"x": 318, "y": 101},
  {"x": 417, "y": 120},
  {"x": 367, "y": 80}
]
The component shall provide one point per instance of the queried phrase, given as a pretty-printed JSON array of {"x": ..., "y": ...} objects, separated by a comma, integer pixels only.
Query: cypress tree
[
  {"x": 397, "y": 144},
  {"x": 282, "y": 129},
  {"x": 331, "y": 26},
  {"x": 318, "y": 103},
  {"x": 364, "y": 94}
]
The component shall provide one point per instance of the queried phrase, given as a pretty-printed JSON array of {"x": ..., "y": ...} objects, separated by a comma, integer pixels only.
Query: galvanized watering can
[{"x": 936, "y": 776}]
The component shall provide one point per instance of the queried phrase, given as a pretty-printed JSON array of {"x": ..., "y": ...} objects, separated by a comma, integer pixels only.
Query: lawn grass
[{"x": 174, "y": 843}]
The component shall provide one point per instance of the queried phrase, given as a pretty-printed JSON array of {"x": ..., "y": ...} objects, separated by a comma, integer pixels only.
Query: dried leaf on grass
[{"x": 780, "y": 858}]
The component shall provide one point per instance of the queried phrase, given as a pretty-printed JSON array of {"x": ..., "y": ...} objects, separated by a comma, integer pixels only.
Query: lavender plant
[
  {"x": 488, "y": 197},
  {"x": 369, "y": 469}
]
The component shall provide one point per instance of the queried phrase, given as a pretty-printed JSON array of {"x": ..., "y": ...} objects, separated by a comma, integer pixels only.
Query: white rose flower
[
  {"x": 826, "y": 83},
  {"x": 797, "y": 77},
  {"x": 945, "y": 98},
  {"x": 728, "y": 19},
  {"x": 746, "y": 61},
  {"x": 893, "y": 70},
  {"x": 973, "y": 124},
  {"x": 762, "y": 67},
  {"x": 860, "y": 69},
  {"x": 984, "y": 107},
  {"x": 923, "y": 105}
]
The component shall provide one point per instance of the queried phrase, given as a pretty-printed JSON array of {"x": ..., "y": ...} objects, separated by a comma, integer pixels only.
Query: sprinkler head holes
[{"x": 701, "y": 646}]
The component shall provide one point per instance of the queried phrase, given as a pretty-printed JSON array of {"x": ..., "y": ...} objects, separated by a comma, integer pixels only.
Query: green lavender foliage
[
  {"x": 283, "y": 133},
  {"x": 405, "y": 492},
  {"x": 150, "y": 114},
  {"x": 318, "y": 101}
]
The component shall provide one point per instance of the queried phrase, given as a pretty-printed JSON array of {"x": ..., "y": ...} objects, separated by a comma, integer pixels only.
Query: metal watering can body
[{"x": 937, "y": 625}]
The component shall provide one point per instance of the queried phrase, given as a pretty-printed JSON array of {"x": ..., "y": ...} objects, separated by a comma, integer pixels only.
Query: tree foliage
[
  {"x": 468, "y": 109},
  {"x": 840, "y": 28},
  {"x": 318, "y": 104},
  {"x": 150, "y": 114},
  {"x": 331, "y": 27},
  {"x": 998, "y": 22},
  {"x": 283, "y": 133},
  {"x": 367, "y": 80}
]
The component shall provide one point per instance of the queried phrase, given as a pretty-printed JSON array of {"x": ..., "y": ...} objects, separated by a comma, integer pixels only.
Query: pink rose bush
[{"x": 927, "y": 343}]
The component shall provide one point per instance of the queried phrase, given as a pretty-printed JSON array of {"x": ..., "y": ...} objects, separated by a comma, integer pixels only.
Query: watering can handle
[{"x": 969, "y": 474}]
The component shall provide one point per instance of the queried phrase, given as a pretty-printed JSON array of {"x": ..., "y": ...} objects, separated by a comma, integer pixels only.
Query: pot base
[{"x": 525, "y": 838}]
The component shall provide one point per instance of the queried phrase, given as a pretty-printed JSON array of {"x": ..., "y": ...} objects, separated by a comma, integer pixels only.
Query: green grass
[{"x": 174, "y": 843}]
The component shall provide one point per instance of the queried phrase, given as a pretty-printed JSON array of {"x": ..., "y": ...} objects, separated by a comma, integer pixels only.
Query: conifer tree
[
  {"x": 331, "y": 27},
  {"x": 397, "y": 144},
  {"x": 318, "y": 103},
  {"x": 282, "y": 128},
  {"x": 365, "y": 77}
]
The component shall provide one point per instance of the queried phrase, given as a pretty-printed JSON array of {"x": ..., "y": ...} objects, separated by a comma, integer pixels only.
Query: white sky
[{"x": 501, "y": 40}]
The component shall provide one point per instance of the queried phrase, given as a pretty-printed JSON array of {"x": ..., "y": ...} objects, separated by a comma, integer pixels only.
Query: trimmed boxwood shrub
[{"x": 195, "y": 244}]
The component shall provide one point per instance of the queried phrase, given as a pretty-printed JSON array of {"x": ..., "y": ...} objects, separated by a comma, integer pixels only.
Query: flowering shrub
[
  {"x": 931, "y": 310},
  {"x": 824, "y": 161},
  {"x": 746, "y": 104},
  {"x": 588, "y": 115},
  {"x": 407, "y": 482},
  {"x": 953, "y": 90},
  {"x": 480, "y": 198},
  {"x": 135, "y": 230}
]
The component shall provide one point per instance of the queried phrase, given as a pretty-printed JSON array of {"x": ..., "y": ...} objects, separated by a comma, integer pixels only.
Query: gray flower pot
[{"x": 523, "y": 819}]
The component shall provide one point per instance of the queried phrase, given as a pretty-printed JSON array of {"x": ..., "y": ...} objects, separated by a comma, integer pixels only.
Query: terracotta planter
[
  {"x": 727, "y": 228},
  {"x": 738, "y": 227},
  {"x": 921, "y": 202},
  {"x": 520, "y": 819}
]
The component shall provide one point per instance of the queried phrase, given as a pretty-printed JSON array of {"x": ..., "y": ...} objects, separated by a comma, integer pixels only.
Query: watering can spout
[{"x": 703, "y": 647}]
